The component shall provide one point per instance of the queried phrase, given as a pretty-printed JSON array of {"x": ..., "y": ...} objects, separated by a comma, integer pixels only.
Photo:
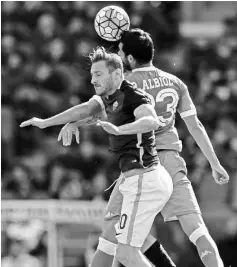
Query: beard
[
  {"x": 108, "y": 86},
  {"x": 126, "y": 66}
]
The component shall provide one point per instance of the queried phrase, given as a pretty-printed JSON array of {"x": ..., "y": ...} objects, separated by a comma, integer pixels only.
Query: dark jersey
[{"x": 134, "y": 151}]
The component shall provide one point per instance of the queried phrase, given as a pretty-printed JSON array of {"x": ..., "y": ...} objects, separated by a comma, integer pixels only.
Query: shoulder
[
  {"x": 127, "y": 86},
  {"x": 130, "y": 89},
  {"x": 133, "y": 78},
  {"x": 132, "y": 94},
  {"x": 177, "y": 81}
]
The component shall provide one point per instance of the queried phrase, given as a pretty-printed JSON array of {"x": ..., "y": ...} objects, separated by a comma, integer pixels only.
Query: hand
[
  {"x": 67, "y": 132},
  {"x": 109, "y": 127},
  {"x": 219, "y": 174},
  {"x": 34, "y": 122}
]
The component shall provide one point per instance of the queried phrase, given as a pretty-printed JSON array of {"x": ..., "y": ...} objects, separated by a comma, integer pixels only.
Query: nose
[{"x": 93, "y": 80}]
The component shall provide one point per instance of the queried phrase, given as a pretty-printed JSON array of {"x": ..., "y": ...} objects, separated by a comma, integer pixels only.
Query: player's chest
[{"x": 116, "y": 111}]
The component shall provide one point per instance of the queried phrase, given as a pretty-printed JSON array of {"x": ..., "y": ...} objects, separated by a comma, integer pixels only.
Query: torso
[{"x": 137, "y": 151}]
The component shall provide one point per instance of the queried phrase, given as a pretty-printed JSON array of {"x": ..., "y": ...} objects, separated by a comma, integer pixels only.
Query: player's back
[{"x": 167, "y": 92}]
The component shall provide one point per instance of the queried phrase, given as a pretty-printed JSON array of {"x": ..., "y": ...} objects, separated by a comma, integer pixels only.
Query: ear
[
  {"x": 118, "y": 72},
  {"x": 130, "y": 58}
]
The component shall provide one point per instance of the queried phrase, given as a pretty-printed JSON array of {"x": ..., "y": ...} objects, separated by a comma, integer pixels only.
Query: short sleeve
[
  {"x": 186, "y": 106},
  {"x": 102, "y": 105},
  {"x": 99, "y": 100}
]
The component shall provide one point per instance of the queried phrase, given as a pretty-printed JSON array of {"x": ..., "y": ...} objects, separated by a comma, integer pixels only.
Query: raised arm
[{"x": 73, "y": 114}]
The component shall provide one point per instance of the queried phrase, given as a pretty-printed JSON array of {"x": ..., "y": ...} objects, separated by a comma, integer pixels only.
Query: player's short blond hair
[{"x": 113, "y": 61}]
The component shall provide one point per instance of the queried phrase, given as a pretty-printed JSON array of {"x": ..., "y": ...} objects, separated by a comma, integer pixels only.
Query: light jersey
[{"x": 169, "y": 95}]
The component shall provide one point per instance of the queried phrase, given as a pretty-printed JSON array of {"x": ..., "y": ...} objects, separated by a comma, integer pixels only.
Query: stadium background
[{"x": 59, "y": 191}]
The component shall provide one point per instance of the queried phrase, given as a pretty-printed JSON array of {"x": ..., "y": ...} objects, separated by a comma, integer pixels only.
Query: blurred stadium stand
[{"x": 45, "y": 71}]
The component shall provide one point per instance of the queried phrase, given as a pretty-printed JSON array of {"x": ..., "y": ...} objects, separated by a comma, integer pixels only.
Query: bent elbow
[{"x": 156, "y": 125}]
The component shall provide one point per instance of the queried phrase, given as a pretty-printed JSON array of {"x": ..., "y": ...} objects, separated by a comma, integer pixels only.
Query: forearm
[
  {"x": 142, "y": 125},
  {"x": 73, "y": 114},
  {"x": 87, "y": 121},
  {"x": 201, "y": 137}
]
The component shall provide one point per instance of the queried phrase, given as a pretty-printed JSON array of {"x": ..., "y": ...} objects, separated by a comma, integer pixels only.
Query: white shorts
[{"x": 144, "y": 196}]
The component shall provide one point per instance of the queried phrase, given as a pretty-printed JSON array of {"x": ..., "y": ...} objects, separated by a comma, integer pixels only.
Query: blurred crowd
[{"x": 45, "y": 71}]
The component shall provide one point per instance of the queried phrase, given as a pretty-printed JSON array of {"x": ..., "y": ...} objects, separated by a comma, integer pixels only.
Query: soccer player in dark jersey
[
  {"x": 170, "y": 95},
  {"x": 131, "y": 120}
]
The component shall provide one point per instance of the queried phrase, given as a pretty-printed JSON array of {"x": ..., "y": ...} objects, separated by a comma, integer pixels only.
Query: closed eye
[{"x": 97, "y": 74}]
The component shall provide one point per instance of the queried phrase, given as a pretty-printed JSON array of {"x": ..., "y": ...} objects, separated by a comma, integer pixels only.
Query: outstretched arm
[
  {"x": 73, "y": 114},
  {"x": 71, "y": 129}
]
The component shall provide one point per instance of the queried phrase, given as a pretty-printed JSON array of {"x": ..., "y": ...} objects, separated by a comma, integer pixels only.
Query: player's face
[
  {"x": 123, "y": 57},
  {"x": 101, "y": 78}
]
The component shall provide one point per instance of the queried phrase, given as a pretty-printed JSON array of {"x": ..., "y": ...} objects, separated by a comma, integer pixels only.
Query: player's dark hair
[
  {"x": 113, "y": 61},
  {"x": 139, "y": 44}
]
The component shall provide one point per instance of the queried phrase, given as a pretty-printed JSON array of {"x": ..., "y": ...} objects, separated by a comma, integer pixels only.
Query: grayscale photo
[{"x": 118, "y": 133}]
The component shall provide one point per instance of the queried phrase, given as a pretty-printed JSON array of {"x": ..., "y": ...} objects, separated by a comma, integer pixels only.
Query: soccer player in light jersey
[
  {"x": 169, "y": 95},
  {"x": 145, "y": 185}
]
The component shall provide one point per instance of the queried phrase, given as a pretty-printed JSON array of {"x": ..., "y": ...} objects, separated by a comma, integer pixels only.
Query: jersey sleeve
[
  {"x": 186, "y": 106},
  {"x": 99, "y": 100},
  {"x": 101, "y": 107}
]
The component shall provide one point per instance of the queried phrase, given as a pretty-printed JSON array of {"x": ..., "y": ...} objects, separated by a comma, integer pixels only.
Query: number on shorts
[
  {"x": 171, "y": 107},
  {"x": 123, "y": 220}
]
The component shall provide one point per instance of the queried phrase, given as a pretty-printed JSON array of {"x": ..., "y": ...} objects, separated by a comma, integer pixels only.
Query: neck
[
  {"x": 115, "y": 88},
  {"x": 137, "y": 66},
  {"x": 112, "y": 91}
]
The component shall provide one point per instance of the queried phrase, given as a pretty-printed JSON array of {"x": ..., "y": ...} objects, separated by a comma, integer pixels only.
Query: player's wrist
[
  {"x": 215, "y": 164},
  {"x": 46, "y": 123}
]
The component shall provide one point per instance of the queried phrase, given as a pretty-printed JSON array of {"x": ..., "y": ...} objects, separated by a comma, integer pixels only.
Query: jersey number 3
[{"x": 170, "y": 108}]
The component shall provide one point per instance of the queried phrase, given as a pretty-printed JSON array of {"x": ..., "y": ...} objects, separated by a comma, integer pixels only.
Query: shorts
[
  {"x": 114, "y": 205},
  {"x": 144, "y": 196},
  {"x": 182, "y": 201}
]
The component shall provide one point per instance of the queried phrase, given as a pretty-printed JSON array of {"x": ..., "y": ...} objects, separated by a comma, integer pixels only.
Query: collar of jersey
[
  {"x": 119, "y": 87},
  {"x": 144, "y": 69},
  {"x": 120, "y": 84}
]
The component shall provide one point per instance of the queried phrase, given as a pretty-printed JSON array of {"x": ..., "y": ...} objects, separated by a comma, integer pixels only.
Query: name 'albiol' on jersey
[
  {"x": 156, "y": 83},
  {"x": 168, "y": 95}
]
